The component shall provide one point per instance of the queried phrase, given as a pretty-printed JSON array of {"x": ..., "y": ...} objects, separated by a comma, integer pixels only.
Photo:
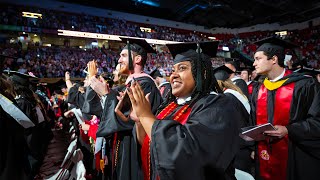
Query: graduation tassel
[
  {"x": 129, "y": 56},
  {"x": 198, "y": 65}
]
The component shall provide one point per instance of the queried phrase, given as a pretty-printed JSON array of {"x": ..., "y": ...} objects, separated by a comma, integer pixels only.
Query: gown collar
[{"x": 182, "y": 101}]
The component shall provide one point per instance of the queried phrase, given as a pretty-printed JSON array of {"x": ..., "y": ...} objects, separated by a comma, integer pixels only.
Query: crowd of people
[
  {"x": 52, "y": 62},
  {"x": 307, "y": 39},
  {"x": 178, "y": 112},
  {"x": 52, "y": 19},
  {"x": 133, "y": 125}
]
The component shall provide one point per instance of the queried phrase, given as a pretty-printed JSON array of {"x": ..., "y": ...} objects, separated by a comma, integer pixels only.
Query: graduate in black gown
[
  {"x": 38, "y": 136},
  {"x": 13, "y": 151},
  {"x": 237, "y": 80},
  {"x": 163, "y": 85},
  {"x": 195, "y": 134},
  {"x": 119, "y": 128},
  {"x": 291, "y": 102},
  {"x": 243, "y": 160},
  {"x": 75, "y": 97}
]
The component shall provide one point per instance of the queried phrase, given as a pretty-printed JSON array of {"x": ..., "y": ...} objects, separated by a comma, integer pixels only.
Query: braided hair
[{"x": 209, "y": 83}]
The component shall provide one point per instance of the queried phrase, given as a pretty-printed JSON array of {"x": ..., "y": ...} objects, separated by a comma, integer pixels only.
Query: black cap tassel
[
  {"x": 199, "y": 70},
  {"x": 130, "y": 56}
]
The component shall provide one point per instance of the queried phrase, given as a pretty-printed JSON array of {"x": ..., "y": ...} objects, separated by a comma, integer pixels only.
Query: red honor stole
[
  {"x": 181, "y": 116},
  {"x": 273, "y": 157}
]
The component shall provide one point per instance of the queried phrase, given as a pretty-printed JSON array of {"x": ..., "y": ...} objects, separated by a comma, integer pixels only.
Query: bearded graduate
[
  {"x": 118, "y": 122},
  {"x": 194, "y": 134}
]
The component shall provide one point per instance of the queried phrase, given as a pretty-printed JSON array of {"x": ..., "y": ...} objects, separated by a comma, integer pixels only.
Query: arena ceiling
[{"x": 216, "y": 13}]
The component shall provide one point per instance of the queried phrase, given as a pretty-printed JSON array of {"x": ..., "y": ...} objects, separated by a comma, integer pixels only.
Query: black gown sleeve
[
  {"x": 28, "y": 109},
  {"x": 91, "y": 104},
  {"x": 75, "y": 97},
  {"x": 111, "y": 123},
  {"x": 243, "y": 86},
  {"x": 304, "y": 127},
  {"x": 167, "y": 91},
  {"x": 13, "y": 151},
  {"x": 203, "y": 148}
]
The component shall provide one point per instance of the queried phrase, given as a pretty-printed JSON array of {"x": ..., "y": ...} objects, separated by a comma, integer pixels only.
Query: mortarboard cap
[
  {"x": 276, "y": 41},
  {"x": 274, "y": 46},
  {"x": 222, "y": 72},
  {"x": 208, "y": 48},
  {"x": 309, "y": 71},
  {"x": 155, "y": 73},
  {"x": 197, "y": 53},
  {"x": 140, "y": 46},
  {"x": 246, "y": 59},
  {"x": 20, "y": 78}
]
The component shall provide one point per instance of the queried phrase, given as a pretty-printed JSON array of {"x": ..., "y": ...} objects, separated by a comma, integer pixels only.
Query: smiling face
[
  {"x": 181, "y": 79},
  {"x": 262, "y": 64}
]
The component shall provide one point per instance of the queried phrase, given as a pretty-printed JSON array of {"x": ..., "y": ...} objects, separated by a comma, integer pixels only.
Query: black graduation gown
[
  {"x": 13, "y": 155},
  {"x": 91, "y": 104},
  {"x": 242, "y": 85},
  {"x": 75, "y": 97},
  {"x": 84, "y": 103},
  {"x": 32, "y": 135},
  {"x": 126, "y": 147},
  {"x": 37, "y": 137},
  {"x": 165, "y": 89},
  {"x": 204, "y": 148},
  {"x": 303, "y": 129},
  {"x": 243, "y": 160}
]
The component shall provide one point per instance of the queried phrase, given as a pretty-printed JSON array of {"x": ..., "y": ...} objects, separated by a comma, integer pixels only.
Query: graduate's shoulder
[
  {"x": 144, "y": 79},
  {"x": 147, "y": 84},
  {"x": 303, "y": 80},
  {"x": 215, "y": 101},
  {"x": 215, "y": 111}
]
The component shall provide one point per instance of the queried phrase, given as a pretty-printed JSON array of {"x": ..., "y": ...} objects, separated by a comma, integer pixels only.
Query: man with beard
[{"x": 119, "y": 123}]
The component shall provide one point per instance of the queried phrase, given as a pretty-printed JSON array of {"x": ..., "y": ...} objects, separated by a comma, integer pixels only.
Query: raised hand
[
  {"x": 67, "y": 76},
  {"x": 140, "y": 102},
  {"x": 119, "y": 106},
  {"x": 85, "y": 126},
  {"x": 141, "y": 107},
  {"x": 100, "y": 86},
  {"x": 92, "y": 68}
]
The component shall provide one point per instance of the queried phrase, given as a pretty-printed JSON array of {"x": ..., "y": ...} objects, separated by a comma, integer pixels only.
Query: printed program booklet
[{"x": 255, "y": 133}]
